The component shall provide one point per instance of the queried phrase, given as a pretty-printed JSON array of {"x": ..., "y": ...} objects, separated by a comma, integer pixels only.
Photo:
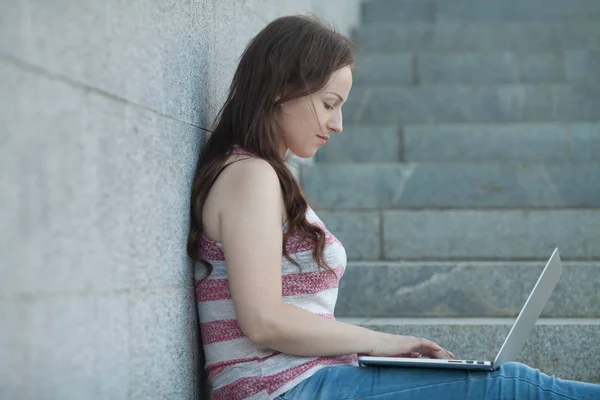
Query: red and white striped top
[{"x": 240, "y": 369}]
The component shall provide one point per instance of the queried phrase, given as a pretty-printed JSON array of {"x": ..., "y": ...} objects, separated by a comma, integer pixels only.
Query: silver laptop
[{"x": 513, "y": 343}]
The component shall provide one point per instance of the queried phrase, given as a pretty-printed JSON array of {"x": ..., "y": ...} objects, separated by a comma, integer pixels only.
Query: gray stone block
[
  {"x": 14, "y": 383},
  {"x": 463, "y": 67},
  {"x": 491, "y": 234},
  {"x": 78, "y": 347},
  {"x": 585, "y": 142},
  {"x": 535, "y": 142},
  {"x": 350, "y": 186},
  {"x": 168, "y": 57},
  {"x": 362, "y": 144},
  {"x": 516, "y": 10},
  {"x": 502, "y": 67},
  {"x": 463, "y": 103},
  {"x": 554, "y": 346},
  {"x": 546, "y": 67},
  {"x": 97, "y": 200},
  {"x": 452, "y": 185},
  {"x": 582, "y": 65},
  {"x": 467, "y": 68},
  {"x": 398, "y": 11},
  {"x": 478, "y": 36},
  {"x": 163, "y": 349},
  {"x": 389, "y": 38},
  {"x": 380, "y": 11},
  {"x": 359, "y": 233},
  {"x": 385, "y": 69},
  {"x": 575, "y": 102},
  {"x": 463, "y": 289},
  {"x": 11, "y": 30}
]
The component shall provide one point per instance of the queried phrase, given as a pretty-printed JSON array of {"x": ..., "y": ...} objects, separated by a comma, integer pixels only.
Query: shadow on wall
[
  {"x": 204, "y": 109},
  {"x": 196, "y": 96}
]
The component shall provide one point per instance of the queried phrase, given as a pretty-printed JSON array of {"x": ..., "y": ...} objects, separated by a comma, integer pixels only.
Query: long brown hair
[{"x": 291, "y": 57}]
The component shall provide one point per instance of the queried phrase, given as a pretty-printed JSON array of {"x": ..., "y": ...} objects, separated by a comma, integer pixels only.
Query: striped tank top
[{"x": 240, "y": 369}]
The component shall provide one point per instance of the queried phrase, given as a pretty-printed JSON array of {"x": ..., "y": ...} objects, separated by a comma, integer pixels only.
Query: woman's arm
[
  {"x": 251, "y": 232},
  {"x": 292, "y": 330}
]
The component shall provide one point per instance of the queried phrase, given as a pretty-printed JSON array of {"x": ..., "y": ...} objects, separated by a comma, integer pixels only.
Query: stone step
[
  {"x": 452, "y": 185},
  {"x": 478, "y": 10},
  {"x": 363, "y": 143},
  {"x": 478, "y": 36},
  {"x": 473, "y": 103},
  {"x": 463, "y": 289},
  {"x": 566, "y": 348},
  {"x": 465, "y": 235},
  {"x": 543, "y": 142},
  {"x": 521, "y": 142},
  {"x": 477, "y": 67}
]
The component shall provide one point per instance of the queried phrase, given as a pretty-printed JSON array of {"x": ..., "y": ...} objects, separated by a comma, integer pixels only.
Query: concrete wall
[
  {"x": 343, "y": 14},
  {"x": 101, "y": 105}
]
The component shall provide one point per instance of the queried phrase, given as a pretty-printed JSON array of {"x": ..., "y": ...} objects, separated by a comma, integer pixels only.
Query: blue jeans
[{"x": 511, "y": 381}]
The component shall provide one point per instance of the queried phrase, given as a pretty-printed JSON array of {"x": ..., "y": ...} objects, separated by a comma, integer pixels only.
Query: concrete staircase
[{"x": 471, "y": 149}]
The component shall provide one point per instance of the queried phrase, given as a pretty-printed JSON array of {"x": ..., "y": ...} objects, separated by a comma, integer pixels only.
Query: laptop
[{"x": 514, "y": 342}]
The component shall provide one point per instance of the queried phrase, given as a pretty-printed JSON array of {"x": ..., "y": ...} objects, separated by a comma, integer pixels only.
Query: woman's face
[{"x": 301, "y": 132}]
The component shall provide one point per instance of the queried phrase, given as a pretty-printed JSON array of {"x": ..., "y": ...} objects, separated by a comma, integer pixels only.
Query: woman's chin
[{"x": 305, "y": 153}]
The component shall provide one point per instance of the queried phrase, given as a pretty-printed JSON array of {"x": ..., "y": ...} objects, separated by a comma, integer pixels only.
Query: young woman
[{"x": 268, "y": 269}]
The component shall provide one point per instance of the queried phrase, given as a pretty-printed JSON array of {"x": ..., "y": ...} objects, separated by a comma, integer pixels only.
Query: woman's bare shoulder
[
  {"x": 247, "y": 179},
  {"x": 244, "y": 174}
]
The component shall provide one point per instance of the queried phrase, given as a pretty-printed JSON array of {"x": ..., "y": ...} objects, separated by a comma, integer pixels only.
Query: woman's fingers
[
  {"x": 429, "y": 344},
  {"x": 433, "y": 350}
]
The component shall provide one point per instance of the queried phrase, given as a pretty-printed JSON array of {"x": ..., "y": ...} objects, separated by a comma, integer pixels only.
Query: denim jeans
[{"x": 511, "y": 381}]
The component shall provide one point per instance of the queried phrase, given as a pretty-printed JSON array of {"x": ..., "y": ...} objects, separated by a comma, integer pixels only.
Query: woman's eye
[{"x": 328, "y": 107}]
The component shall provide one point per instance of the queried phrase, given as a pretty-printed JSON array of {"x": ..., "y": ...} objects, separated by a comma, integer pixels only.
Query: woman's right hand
[{"x": 389, "y": 345}]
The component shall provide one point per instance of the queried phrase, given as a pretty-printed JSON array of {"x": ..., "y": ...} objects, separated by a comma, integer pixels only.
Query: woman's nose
[{"x": 335, "y": 126}]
